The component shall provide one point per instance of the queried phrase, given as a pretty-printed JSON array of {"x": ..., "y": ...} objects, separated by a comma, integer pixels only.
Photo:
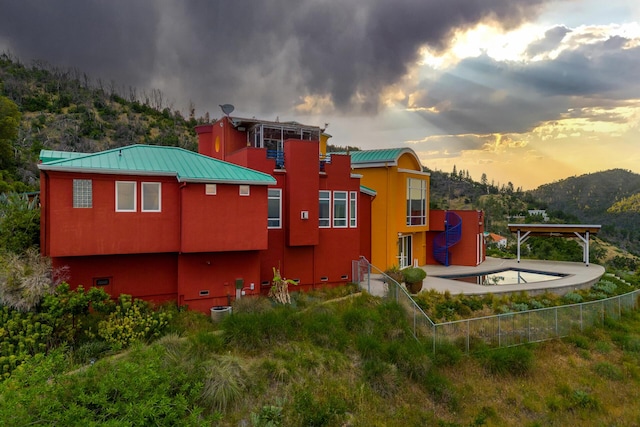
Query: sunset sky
[{"x": 526, "y": 91}]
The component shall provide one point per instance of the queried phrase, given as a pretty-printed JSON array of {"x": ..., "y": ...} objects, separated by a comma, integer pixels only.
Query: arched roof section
[{"x": 404, "y": 158}]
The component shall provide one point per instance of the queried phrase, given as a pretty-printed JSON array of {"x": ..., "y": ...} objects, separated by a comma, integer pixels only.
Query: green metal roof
[
  {"x": 47, "y": 156},
  {"x": 185, "y": 165},
  {"x": 378, "y": 157}
]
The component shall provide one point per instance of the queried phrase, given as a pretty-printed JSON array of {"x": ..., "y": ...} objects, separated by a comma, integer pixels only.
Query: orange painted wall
[
  {"x": 225, "y": 221},
  {"x": 388, "y": 211},
  {"x": 101, "y": 230}
]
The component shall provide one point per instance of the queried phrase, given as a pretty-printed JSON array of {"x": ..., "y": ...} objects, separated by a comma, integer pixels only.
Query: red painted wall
[
  {"x": 302, "y": 163},
  {"x": 220, "y": 139},
  {"x": 101, "y": 230},
  {"x": 216, "y": 274},
  {"x": 225, "y": 221},
  {"x": 466, "y": 252},
  {"x": 147, "y": 276}
]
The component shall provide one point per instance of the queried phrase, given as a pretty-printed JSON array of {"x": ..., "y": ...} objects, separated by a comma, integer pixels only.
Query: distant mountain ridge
[{"x": 598, "y": 198}]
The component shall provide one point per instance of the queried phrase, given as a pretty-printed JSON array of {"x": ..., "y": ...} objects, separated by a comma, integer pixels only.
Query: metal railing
[{"x": 501, "y": 330}]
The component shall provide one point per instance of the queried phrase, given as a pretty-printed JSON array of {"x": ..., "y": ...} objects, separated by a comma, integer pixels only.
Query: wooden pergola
[{"x": 581, "y": 231}]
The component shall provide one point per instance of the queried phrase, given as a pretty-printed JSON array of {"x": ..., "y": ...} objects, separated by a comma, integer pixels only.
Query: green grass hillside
[{"x": 349, "y": 362}]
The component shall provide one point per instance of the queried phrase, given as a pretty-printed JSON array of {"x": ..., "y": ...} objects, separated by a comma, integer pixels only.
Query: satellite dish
[{"x": 227, "y": 109}]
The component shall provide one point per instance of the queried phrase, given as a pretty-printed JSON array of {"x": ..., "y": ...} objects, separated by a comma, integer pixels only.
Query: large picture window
[
  {"x": 151, "y": 196},
  {"x": 82, "y": 193},
  {"x": 325, "y": 209},
  {"x": 275, "y": 208},
  {"x": 125, "y": 196},
  {"x": 416, "y": 201},
  {"x": 339, "y": 209}
]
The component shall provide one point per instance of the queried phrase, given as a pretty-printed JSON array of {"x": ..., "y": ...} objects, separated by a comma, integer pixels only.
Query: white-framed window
[
  {"x": 353, "y": 209},
  {"x": 325, "y": 209},
  {"x": 210, "y": 189},
  {"x": 151, "y": 197},
  {"x": 275, "y": 208},
  {"x": 245, "y": 190},
  {"x": 416, "y": 201},
  {"x": 82, "y": 193},
  {"x": 125, "y": 196},
  {"x": 339, "y": 209}
]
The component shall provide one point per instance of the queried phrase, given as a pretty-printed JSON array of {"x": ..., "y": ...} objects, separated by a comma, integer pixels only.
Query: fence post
[
  {"x": 468, "y": 332},
  {"x": 556, "y": 311},
  {"x": 529, "y": 327},
  {"x": 581, "y": 325},
  {"x": 499, "y": 332},
  {"x": 369, "y": 278}
]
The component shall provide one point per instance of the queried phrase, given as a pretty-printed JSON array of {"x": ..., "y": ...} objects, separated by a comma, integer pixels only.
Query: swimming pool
[{"x": 507, "y": 277}]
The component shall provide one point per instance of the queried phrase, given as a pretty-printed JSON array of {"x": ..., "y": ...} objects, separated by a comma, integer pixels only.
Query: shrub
[
  {"x": 224, "y": 383},
  {"x": 413, "y": 275},
  {"x": 516, "y": 361},
  {"x": 132, "y": 320}
]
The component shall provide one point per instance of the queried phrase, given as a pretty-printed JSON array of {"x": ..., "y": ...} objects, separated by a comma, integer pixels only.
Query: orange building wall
[{"x": 388, "y": 211}]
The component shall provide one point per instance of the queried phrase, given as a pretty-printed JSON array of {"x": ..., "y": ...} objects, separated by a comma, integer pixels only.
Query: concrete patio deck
[{"x": 578, "y": 276}]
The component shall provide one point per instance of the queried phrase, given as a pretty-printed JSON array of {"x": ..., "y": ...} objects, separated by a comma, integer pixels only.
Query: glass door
[{"x": 404, "y": 251}]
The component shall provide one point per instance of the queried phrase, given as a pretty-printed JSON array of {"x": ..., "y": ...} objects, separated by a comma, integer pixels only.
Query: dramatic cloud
[
  {"x": 265, "y": 56},
  {"x": 481, "y": 95}
]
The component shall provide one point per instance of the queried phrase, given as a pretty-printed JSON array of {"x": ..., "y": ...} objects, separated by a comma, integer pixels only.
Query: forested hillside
[
  {"x": 598, "y": 198},
  {"x": 65, "y": 109}
]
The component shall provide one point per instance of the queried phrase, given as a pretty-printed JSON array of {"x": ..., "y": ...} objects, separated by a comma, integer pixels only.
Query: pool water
[{"x": 507, "y": 277}]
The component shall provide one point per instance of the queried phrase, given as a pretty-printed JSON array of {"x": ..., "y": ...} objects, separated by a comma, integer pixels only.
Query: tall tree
[{"x": 9, "y": 123}]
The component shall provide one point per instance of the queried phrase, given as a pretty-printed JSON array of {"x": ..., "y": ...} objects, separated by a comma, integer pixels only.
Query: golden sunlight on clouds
[
  {"x": 501, "y": 46},
  {"x": 313, "y": 104}
]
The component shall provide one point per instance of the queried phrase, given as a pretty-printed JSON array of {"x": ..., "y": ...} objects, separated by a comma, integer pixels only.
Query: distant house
[
  {"x": 541, "y": 212},
  {"x": 496, "y": 239}
]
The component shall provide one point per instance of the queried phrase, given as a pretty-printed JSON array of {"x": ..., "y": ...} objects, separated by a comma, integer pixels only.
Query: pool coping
[{"x": 578, "y": 276}]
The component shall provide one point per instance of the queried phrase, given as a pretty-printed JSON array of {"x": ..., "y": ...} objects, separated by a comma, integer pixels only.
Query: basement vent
[
  {"x": 296, "y": 280},
  {"x": 324, "y": 279},
  {"x": 265, "y": 283},
  {"x": 103, "y": 281},
  {"x": 345, "y": 277},
  {"x": 204, "y": 293}
]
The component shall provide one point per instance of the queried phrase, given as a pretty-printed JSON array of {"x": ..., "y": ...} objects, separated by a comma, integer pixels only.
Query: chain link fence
[{"x": 501, "y": 330}]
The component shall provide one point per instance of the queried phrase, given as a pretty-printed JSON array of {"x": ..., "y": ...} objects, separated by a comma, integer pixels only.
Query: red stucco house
[
  {"x": 163, "y": 223},
  {"x": 160, "y": 223}
]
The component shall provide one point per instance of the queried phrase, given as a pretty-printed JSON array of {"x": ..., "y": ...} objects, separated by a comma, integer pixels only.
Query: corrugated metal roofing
[
  {"x": 47, "y": 156},
  {"x": 157, "y": 160},
  {"x": 373, "y": 157}
]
